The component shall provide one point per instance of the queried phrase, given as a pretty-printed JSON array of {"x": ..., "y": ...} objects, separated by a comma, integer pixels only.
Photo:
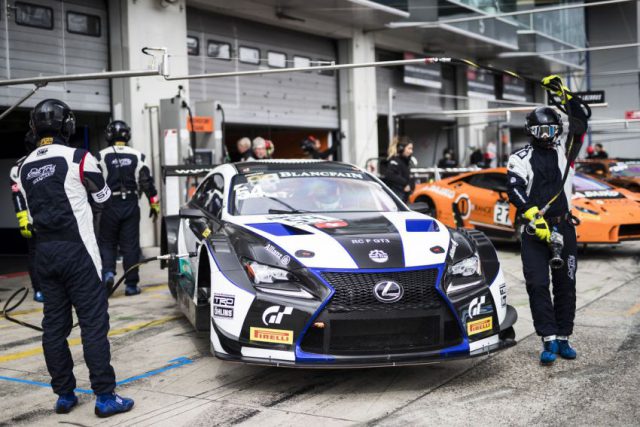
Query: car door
[{"x": 491, "y": 206}]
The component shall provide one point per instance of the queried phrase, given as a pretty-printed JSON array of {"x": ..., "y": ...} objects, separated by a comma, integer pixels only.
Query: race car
[
  {"x": 319, "y": 264},
  {"x": 624, "y": 173},
  {"x": 478, "y": 200}
]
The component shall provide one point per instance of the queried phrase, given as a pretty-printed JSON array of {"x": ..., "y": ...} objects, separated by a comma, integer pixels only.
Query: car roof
[{"x": 293, "y": 165}]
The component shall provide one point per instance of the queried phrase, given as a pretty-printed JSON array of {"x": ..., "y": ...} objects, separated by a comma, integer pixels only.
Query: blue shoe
[
  {"x": 111, "y": 404},
  {"x": 549, "y": 351},
  {"x": 132, "y": 290},
  {"x": 108, "y": 280},
  {"x": 65, "y": 403},
  {"x": 565, "y": 350},
  {"x": 38, "y": 297}
]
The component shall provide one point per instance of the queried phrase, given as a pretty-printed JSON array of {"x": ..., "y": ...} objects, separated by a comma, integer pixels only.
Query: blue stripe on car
[
  {"x": 421, "y": 225},
  {"x": 277, "y": 229}
]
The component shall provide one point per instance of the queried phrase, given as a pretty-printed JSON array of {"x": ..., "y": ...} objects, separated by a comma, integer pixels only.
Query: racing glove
[
  {"x": 538, "y": 223},
  {"x": 553, "y": 83},
  {"x": 154, "y": 205},
  {"x": 23, "y": 222}
]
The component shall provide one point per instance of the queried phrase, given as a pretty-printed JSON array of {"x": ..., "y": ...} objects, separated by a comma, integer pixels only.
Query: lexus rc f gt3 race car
[
  {"x": 619, "y": 173},
  {"x": 318, "y": 264},
  {"x": 478, "y": 200}
]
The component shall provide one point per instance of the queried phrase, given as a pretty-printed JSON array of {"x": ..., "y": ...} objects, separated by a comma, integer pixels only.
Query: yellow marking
[
  {"x": 76, "y": 341},
  {"x": 633, "y": 310}
]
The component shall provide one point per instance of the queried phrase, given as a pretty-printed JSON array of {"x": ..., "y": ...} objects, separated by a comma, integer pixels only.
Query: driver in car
[{"x": 326, "y": 195}]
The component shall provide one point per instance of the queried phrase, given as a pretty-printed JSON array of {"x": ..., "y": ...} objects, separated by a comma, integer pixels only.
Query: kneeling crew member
[
  {"x": 20, "y": 206},
  {"x": 125, "y": 171},
  {"x": 56, "y": 181},
  {"x": 535, "y": 175}
]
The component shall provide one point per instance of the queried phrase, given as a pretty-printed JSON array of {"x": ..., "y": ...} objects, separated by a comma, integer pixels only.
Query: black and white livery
[{"x": 318, "y": 264}]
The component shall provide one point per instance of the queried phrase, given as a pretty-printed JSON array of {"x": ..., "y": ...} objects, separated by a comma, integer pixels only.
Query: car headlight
[
  {"x": 585, "y": 210},
  {"x": 274, "y": 280},
  {"x": 467, "y": 267},
  {"x": 464, "y": 274}
]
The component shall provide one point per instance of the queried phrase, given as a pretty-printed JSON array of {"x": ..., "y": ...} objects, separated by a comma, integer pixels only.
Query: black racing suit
[
  {"x": 20, "y": 205},
  {"x": 398, "y": 176},
  {"x": 535, "y": 177},
  {"x": 125, "y": 171},
  {"x": 62, "y": 186}
]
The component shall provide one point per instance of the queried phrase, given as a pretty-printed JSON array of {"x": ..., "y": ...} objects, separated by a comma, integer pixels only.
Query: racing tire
[{"x": 432, "y": 206}]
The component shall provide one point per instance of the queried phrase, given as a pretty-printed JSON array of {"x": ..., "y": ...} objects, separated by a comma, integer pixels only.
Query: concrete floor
[{"x": 175, "y": 381}]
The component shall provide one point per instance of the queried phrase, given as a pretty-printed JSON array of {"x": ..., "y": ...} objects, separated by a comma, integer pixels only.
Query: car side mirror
[
  {"x": 420, "y": 207},
  {"x": 199, "y": 227},
  {"x": 191, "y": 213}
]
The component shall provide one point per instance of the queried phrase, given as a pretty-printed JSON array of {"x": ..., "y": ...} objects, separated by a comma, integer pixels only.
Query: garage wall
[
  {"x": 291, "y": 99},
  {"x": 31, "y": 52}
]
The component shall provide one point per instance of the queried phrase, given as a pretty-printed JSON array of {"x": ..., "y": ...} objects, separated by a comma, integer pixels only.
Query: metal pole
[
  {"x": 316, "y": 68},
  {"x": 21, "y": 101},
  {"x": 390, "y": 117},
  {"x": 75, "y": 77}
]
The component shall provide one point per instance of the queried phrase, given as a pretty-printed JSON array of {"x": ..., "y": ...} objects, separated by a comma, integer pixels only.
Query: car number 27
[{"x": 501, "y": 214}]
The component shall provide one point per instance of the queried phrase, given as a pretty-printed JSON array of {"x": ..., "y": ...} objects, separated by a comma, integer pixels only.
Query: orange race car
[
  {"x": 617, "y": 172},
  {"x": 479, "y": 200}
]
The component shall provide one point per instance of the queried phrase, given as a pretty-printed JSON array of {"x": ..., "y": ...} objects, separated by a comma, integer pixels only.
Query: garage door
[
  {"x": 47, "y": 37},
  {"x": 220, "y": 43}
]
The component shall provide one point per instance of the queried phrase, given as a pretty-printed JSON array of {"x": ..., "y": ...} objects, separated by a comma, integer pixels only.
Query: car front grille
[{"x": 354, "y": 291}]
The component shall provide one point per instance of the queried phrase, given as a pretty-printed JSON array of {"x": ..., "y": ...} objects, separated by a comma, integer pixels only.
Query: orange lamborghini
[{"x": 479, "y": 200}]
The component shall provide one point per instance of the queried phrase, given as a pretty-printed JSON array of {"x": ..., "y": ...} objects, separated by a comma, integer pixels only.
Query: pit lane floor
[{"x": 170, "y": 373}]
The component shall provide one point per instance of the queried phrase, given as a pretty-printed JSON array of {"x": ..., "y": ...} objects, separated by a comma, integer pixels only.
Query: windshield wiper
[{"x": 290, "y": 209}]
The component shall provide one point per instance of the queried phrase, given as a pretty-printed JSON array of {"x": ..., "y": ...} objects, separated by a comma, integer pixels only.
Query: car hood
[
  {"x": 369, "y": 240},
  {"x": 612, "y": 205}
]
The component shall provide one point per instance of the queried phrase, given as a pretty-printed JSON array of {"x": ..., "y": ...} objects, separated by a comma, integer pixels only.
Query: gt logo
[
  {"x": 475, "y": 306},
  {"x": 274, "y": 314}
]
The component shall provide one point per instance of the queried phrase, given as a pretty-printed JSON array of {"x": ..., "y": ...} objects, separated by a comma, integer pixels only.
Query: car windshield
[
  {"x": 582, "y": 183},
  {"x": 628, "y": 170},
  {"x": 313, "y": 191}
]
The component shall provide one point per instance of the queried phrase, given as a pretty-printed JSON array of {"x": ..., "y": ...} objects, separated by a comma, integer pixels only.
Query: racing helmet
[
  {"x": 117, "y": 131},
  {"x": 52, "y": 117},
  {"x": 544, "y": 125},
  {"x": 325, "y": 194}
]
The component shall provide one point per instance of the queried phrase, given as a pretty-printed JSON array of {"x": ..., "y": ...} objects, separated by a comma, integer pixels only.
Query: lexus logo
[{"x": 388, "y": 291}]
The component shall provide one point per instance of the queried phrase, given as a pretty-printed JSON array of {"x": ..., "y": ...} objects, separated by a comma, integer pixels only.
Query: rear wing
[
  {"x": 378, "y": 166},
  {"x": 187, "y": 170}
]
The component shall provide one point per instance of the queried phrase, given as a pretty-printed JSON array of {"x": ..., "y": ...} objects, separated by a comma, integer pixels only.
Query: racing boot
[
  {"x": 565, "y": 350},
  {"x": 38, "y": 297},
  {"x": 132, "y": 289},
  {"x": 65, "y": 403},
  {"x": 108, "y": 280},
  {"x": 549, "y": 351},
  {"x": 109, "y": 404}
]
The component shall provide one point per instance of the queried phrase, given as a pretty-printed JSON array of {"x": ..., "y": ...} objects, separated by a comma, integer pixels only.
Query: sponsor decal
[
  {"x": 449, "y": 194},
  {"x": 571, "y": 267},
  {"x": 284, "y": 259},
  {"x": 206, "y": 232},
  {"x": 223, "y": 312},
  {"x": 120, "y": 162},
  {"x": 45, "y": 141},
  {"x": 330, "y": 174},
  {"x": 332, "y": 224},
  {"x": 303, "y": 253},
  {"x": 102, "y": 195},
  {"x": 388, "y": 291},
  {"x": 479, "y": 326},
  {"x": 437, "y": 249},
  {"x": 302, "y": 219},
  {"x": 276, "y": 336},
  {"x": 243, "y": 192},
  {"x": 464, "y": 206},
  {"x": 475, "y": 306},
  {"x": 42, "y": 151},
  {"x": 223, "y": 305},
  {"x": 274, "y": 314},
  {"x": 377, "y": 241},
  {"x": 378, "y": 256},
  {"x": 43, "y": 172},
  {"x": 503, "y": 295},
  {"x": 601, "y": 194}
]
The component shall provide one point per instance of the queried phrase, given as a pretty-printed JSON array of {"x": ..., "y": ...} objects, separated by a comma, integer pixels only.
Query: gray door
[
  {"x": 221, "y": 43},
  {"x": 48, "y": 37}
]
